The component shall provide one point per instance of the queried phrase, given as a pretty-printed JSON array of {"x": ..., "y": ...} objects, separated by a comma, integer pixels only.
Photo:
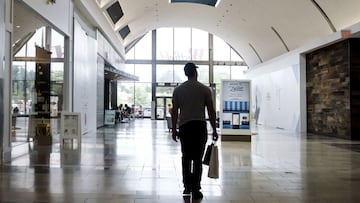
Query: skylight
[{"x": 205, "y": 2}]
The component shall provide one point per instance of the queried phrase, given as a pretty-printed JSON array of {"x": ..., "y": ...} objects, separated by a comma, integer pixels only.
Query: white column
[
  {"x": 6, "y": 27},
  {"x": 303, "y": 110}
]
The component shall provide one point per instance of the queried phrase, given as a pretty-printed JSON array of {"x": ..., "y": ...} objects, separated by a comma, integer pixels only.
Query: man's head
[{"x": 190, "y": 70}]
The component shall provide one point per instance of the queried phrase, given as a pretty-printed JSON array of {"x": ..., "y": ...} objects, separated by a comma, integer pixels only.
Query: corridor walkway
[{"x": 137, "y": 162}]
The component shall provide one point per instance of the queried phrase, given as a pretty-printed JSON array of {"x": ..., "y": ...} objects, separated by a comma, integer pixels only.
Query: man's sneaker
[
  {"x": 197, "y": 195},
  {"x": 187, "y": 192}
]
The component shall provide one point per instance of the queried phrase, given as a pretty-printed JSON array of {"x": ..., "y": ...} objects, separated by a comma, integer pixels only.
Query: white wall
[
  {"x": 58, "y": 14},
  {"x": 2, "y": 31},
  {"x": 277, "y": 98},
  {"x": 5, "y": 79},
  {"x": 85, "y": 71},
  {"x": 100, "y": 92},
  {"x": 280, "y": 84},
  {"x": 106, "y": 50}
]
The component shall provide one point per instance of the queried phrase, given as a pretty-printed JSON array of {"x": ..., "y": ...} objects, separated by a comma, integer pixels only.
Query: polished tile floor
[{"x": 137, "y": 162}]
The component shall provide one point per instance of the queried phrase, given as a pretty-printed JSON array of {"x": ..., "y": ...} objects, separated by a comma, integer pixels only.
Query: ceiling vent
[
  {"x": 115, "y": 12},
  {"x": 124, "y": 32},
  {"x": 205, "y": 2}
]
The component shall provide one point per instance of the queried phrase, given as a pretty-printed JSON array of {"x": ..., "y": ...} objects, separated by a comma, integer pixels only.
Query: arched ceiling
[{"x": 258, "y": 30}]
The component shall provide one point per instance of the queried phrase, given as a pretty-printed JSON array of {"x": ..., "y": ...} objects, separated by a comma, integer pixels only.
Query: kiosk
[{"x": 235, "y": 110}]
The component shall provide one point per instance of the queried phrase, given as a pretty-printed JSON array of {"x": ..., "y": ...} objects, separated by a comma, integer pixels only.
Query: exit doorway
[{"x": 163, "y": 106}]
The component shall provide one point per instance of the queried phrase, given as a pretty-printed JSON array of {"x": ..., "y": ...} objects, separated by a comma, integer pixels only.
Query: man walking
[{"x": 191, "y": 98}]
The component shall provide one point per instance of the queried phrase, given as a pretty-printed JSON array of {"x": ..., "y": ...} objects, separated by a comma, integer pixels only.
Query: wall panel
[
  {"x": 276, "y": 99},
  {"x": 85, "y": 77}
]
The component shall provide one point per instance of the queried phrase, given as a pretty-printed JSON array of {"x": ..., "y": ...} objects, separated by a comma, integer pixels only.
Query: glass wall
[
  {"x": 23, "y": 72},
  {"x": 143, "y": 50},
  {"x": 182, "y": 44},
  {"x": 23, "y": 77},
  {"x": 164, "y": 44},
  {"x": 199, "y": 45},
  {"x": 137, "y": 93},
  {"x": 174, "y": 47}
]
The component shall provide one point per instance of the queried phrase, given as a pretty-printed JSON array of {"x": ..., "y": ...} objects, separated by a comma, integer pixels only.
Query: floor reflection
[{"x": 138, "y": 162}]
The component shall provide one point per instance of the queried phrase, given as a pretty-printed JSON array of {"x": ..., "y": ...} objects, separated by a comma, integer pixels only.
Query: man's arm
[
  {"x": 212, "y": 117},
  {"x": 174, "y": 119}
]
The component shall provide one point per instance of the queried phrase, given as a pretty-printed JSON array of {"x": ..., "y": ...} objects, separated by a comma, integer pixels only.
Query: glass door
[
  {"x": 163, "y": 107},
  {"x": 160, "y": 104},
  {"x": 168, "y": 103}
]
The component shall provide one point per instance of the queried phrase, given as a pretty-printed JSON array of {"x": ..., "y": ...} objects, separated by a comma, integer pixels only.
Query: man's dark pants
[{"x": 193, "y": 137}]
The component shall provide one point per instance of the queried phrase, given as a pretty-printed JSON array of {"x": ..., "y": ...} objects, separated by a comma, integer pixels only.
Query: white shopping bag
[{"x": 214, "y": 163}]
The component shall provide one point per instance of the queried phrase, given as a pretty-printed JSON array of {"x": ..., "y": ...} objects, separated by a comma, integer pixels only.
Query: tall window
[
  {"x": 143, "y": 48},
  {"x": 165, "y": 44},
  {"x": 23, "y": 77},
  {"x": 165, "y": 73},
  {"x": 175, "y": 46},
  {"x": 182, "y": 44},
  {"x": 57, "y": 45},
  {"x": 137, "y": 93},
  {"x": 221, "y": 50},
  {"x": 200, "y": 45}
]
